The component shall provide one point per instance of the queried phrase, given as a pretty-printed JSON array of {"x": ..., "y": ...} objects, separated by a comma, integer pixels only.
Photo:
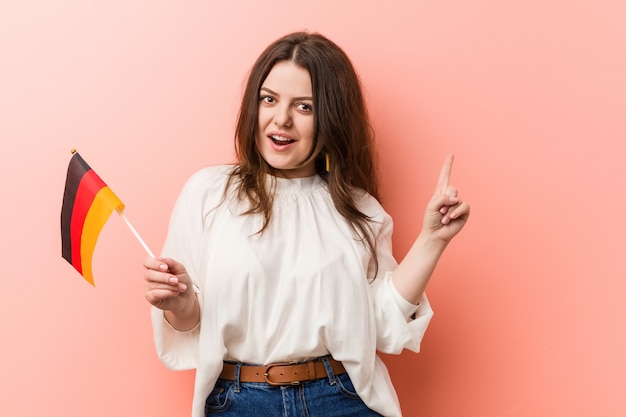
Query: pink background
[{"x": 529, "y": 303}]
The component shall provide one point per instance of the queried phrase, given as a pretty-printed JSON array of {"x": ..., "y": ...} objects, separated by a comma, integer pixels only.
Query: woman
[{"x": 277, "y": 281}]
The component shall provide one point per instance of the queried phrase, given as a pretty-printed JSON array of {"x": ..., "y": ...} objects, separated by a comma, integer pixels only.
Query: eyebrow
[{"x": 278, "y": 95}]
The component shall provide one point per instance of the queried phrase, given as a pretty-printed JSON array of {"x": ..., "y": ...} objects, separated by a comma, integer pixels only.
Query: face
[{"x": 286, "y": 123}]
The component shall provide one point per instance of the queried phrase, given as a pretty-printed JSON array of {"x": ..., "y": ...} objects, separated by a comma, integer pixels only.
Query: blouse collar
[{"x": 302, "y": 185}]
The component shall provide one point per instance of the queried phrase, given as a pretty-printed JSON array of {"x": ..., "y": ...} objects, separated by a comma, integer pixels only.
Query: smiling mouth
[{"x": 281, "y": 140}]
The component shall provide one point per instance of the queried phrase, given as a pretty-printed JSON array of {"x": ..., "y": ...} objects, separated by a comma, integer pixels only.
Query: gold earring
[{"x": 327, "y": 162}]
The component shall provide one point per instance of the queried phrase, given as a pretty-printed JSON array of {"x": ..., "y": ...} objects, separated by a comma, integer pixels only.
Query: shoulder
[
  {"x": 369, "y": 206},
  {"x": 206, "y": 186},
  {"x": 209, "y": 179}
]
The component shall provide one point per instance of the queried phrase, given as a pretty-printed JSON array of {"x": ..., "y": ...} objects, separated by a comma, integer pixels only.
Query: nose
[{"x": 282, "y": 117}]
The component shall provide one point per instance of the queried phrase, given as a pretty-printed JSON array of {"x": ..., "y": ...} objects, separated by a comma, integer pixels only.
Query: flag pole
[{"x": 132, "y": 229}]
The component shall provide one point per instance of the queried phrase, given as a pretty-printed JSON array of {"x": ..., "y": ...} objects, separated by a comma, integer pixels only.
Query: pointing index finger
[{"x": 444, "y": 175}]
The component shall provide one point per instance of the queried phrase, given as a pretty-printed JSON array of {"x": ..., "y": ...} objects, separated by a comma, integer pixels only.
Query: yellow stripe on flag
[{"x": 103, "y": 205}]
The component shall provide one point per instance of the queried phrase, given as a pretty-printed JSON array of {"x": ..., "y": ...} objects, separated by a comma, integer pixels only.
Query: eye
[
  {"x": 304, "y": 107},
  {"x": 267, "y": 99}
]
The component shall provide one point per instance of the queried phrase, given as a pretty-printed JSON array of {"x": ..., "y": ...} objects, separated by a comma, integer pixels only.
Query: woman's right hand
[{"x": 167, "y": 286}]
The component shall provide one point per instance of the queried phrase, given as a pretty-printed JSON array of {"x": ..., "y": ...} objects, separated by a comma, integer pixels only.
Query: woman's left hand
[{"x": 445, "y": 214}]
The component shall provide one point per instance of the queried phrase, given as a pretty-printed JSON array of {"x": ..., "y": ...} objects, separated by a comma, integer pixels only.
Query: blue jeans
[{"x": 331, "y": 396}]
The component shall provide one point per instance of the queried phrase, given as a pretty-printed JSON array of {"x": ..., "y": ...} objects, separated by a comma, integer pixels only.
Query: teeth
[{"x": 280, "y": 138}]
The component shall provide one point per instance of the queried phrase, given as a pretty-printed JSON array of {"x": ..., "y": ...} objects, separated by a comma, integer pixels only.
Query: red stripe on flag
[{"x": 89, "y": 186}]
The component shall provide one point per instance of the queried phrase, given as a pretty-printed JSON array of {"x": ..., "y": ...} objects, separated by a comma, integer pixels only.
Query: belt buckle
[{"x": 266, "y": 374}]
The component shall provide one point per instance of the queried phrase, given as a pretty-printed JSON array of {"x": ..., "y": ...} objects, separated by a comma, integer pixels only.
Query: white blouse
[{"x": 299, "y": 290}]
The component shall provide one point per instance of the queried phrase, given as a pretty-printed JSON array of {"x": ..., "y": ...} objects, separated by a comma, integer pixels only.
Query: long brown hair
[{"x": 342, "y": 130}]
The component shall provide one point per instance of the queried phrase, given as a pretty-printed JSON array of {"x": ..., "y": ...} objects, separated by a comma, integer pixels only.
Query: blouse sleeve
[
  {"x": 399, "y": 324},
  {"x": 184, "y": 243}
]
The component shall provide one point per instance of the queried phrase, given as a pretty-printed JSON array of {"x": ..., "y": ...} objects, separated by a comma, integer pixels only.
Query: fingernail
[
  {"x": 445, "y": 219},
  {"x": 173, "y": 280},
  {"x": 163, "y": 267},
  {"x": 182, "y": 287}
]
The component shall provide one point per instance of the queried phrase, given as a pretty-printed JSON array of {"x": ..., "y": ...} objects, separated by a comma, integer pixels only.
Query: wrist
[
  {"x": 187, "y": 316},
  {"x": 428, "y": 241}
]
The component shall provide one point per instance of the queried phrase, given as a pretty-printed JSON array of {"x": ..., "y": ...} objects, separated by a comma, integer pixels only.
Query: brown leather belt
[{"x": 282, "y": 373}]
